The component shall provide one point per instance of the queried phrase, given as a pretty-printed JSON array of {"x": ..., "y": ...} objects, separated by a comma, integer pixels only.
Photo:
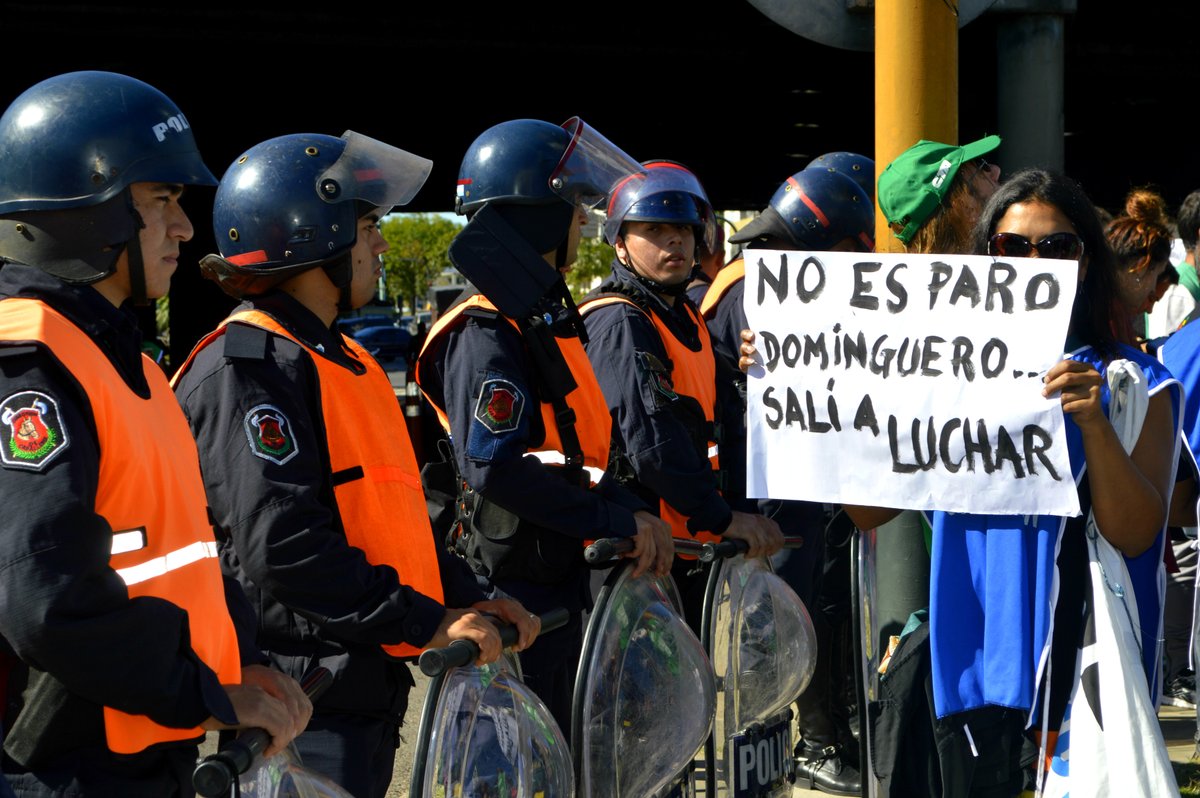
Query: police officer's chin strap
[
  {"x": 674, "y": 290},
  {"x": 560, "y": 292},
  {"x": 345, "y": 305},
  {"x": 137, "y": 267}
]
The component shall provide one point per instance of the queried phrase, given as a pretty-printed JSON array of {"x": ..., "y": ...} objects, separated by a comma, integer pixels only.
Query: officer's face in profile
[
  {"x": 368, "y": 246},
  {"x": 166, "y": 226},
  {"x": 660, "y": 251}
]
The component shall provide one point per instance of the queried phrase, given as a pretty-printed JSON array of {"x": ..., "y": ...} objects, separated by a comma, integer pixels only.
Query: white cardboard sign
[{"x": 908, "y": 381}]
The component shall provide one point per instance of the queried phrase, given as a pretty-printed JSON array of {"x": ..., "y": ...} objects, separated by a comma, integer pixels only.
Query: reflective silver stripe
[
  {"x": 713, "y": 451},
  {"x": 168, "y": 562},
  {"x": 558, "y": 458},
  {"x": 130, "y": 540}
]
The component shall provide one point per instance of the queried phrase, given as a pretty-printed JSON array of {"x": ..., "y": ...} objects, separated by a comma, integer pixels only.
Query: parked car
[
  {"x": 384, "y": 342},
  {"x": 350, "y": 325}
]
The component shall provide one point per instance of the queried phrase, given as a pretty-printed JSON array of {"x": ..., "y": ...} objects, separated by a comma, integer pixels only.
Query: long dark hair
[{"x": 1093, "y": 317}]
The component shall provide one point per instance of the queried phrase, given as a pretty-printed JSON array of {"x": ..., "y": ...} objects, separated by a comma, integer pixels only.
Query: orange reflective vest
[
  {"x": 381, "y": 506},
  {"x": 725, "y": 279},
  {"x": 693, "y": 374},
  {"x": 152, "y": 496},
  {"x": 593, "y": 423}
]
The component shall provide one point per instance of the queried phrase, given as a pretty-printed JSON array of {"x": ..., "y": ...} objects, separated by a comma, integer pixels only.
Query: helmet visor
[
  {"x": 376, "y": 173},
  {"x": 590, "y": 166},
  {"x": 651, "y": 197}
]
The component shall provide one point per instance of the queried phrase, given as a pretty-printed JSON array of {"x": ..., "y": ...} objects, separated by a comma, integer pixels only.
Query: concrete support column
[{"x": 1029, "y": 91}]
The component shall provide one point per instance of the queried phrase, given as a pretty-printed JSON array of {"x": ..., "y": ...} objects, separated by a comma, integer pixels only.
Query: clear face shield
[
  {"x": 376, "y": 173},
  {"x": 591, "y": 166}
]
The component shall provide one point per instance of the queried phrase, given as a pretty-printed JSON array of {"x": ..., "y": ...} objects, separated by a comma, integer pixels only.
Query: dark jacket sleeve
[
  {"x": 459, "y": 586},
  {"x": 726, "y": 322},
  {"x": 658, "y": 445},
  {"x": 245, "y": 624},
  {"x": 63, "y": 610},
  {"x": 280, "y": 515},
  {"x": 475, "y": 356}
]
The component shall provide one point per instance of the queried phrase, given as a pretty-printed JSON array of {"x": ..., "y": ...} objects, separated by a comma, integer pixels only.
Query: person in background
[
  {"x": 1140, "y": 239},
  {"x": 932, "y": 194},
  {"x": 821, "y": 210},
  {"x": 708, "y": 263}
]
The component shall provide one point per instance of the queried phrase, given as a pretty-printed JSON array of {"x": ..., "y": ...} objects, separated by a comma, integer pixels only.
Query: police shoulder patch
[
  {"x": 656, "y": 375},
  {"x": 33, "y": 433},
  {"x": 270, "y": 434},
  {"x": 500, "y": 406}
]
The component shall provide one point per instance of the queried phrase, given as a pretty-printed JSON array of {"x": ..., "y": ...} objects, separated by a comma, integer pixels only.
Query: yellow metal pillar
[{"x": 916, "y": 83}]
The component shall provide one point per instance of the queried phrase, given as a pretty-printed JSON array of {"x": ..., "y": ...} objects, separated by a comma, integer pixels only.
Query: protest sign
[{"x": 908, "y": 381}]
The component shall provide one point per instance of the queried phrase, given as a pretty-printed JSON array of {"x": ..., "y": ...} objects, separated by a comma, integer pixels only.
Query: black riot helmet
[
  {"x": 70, "y": 148},
  {"x": 519, "y": 185},
  {"x": 293, "y": 203},
  {"x": 858, "y": 168},
  {"x": 543, "y": 172}
]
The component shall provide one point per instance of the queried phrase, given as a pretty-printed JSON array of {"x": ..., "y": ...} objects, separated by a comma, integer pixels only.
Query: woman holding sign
[{"x": 1012, "y": 596}]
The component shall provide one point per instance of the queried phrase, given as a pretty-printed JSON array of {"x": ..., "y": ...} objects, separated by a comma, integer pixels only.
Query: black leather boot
[{"x": 822, "y": 768}]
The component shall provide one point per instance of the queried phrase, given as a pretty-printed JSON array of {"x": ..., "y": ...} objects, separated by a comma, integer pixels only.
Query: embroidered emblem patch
[
  {"x": 270, "y": 434},
  {"x": 500, "y": 406},
  {"x": 656, "y": 375},
  {"x": 32, "y": 432}
]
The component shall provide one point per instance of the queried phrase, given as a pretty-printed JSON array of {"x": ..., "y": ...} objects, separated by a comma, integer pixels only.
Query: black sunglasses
[{"x": 1063, "y": 246}]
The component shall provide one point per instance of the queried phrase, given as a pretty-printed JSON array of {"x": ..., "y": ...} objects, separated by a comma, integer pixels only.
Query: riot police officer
[
  {"x": 111, "y": 597},
  {"x": 654, "y": 360},
  {"x": 305, "y": 454},
  {"x": 818, "y": 209},
  {"x": 506, "y": 372}
]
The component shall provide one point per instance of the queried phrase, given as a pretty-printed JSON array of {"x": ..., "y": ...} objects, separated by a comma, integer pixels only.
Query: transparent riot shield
[
  {"x": 865, "y": 603},
  {"x": 484, "y": 734},
  {"x": 761, "y": 641},
  {"x": 238, "y": 767},
  {"x": 644, "y": 698},
  {"x": 282, "y": 776}
]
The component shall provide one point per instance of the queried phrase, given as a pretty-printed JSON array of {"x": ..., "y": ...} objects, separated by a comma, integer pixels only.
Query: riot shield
[
  {"x": 867, "y": 634},
  {"x": 484, "y": 734},
  {"x": 282, "y": 776},
  {"x": 761, "y": 641},
  {"x": 239, "y": 768},
  {"x": 644, "y": 698}
]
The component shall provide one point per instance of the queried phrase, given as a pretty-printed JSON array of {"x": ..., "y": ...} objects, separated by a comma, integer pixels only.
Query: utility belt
[
  {"x": 500, "y": 545},
  {"x": 496, "y": 543}
]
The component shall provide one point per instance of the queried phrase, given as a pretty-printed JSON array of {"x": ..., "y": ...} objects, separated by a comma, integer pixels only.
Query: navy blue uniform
[
  {"x": 662, "y": 450},
  {"x": 476, "y": 352},
  {"x": 483, "y": 347},
  {"x": 320, "y": 602},
  {"x": 78, "y": 640}
]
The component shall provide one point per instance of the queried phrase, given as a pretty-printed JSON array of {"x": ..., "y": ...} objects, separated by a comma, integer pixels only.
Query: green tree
[
  {"x": 591, "y": 265},
  {"x": 417, "y": 255}
]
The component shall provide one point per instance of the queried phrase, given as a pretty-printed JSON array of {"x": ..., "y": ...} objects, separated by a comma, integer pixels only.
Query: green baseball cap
[{"x": 913, "y": 185}]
